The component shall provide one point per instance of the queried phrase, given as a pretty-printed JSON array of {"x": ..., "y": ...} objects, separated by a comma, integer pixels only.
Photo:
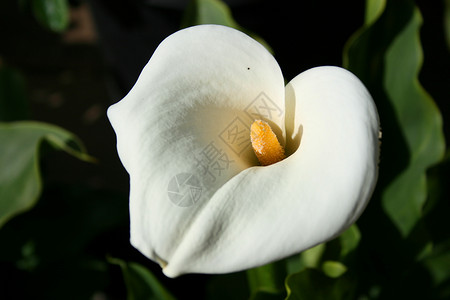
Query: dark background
[{"x": 72, "y": 78}]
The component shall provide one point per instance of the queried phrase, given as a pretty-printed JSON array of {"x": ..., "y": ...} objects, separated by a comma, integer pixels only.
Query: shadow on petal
[{"x": 293, "y": 134}]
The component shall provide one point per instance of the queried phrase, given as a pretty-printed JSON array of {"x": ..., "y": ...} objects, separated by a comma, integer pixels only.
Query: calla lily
[{"x": 199, "y": 200}]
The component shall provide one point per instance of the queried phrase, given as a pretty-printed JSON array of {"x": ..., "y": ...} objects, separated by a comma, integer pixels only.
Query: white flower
[{"x": 199, "y": 201}]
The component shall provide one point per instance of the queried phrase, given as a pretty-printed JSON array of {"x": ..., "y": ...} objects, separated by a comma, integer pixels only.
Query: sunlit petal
[
  {"x": 183, "y": 130},
  {"x": 198, "y": 201},
  {"x": 267, "y": 213}
]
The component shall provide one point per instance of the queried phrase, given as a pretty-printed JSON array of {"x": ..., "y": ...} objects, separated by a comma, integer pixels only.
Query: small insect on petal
[{"x": 265, "y": 143}]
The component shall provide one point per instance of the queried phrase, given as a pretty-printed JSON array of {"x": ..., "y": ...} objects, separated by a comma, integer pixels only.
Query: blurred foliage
[
  {"x": 141, "y": 283},
  {"x": 267, "y": 282},
  {"x": 387, "y": 57},
  {"x": 20, "y": 148},
  {"x": 374, "y": 8},
  {"x": 57, "y": 249},
  {"x": 56, "y": 241},
  {"x": 52, "y": 14},
  {"x": 215, "y": 12}
]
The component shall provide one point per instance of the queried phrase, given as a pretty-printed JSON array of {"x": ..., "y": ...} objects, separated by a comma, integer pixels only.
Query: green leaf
[
  {"x": 267, "y": 282},
  {"x": 437, "y": 259},
  {"x": 313, "y": 284},
  {"x": 349, "y": 240},
  {"x": 387, "y": 57},
  {"x": 208, "y": 12},
  {"x": 333, "y": 269},
  {"x": 13, "y": 103},
  {"x": 374, "y": 8},
  {"x": 20, "y": 181},
  {"x": 140, "y": 282},
  {"x": 53, "y": 14},
  {"x": 294, "y": 264},
  {"x": 438, "y": 263},
  {"x": 311, "y": 257},
  {"x": 421, "y": 125},
  {"x": 214, "y": 12}
]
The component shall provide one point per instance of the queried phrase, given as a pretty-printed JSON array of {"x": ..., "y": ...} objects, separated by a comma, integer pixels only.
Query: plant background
[{"x": 64, "y": 62}]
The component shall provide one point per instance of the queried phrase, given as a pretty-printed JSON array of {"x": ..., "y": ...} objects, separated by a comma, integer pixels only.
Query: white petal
[
  {"x": 181, "y": 123},
  {"x": 268, "y": 213},
  {"x": 185, "y": 124}
]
